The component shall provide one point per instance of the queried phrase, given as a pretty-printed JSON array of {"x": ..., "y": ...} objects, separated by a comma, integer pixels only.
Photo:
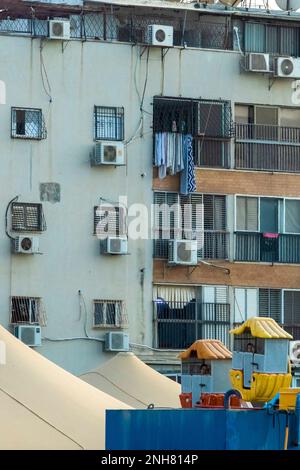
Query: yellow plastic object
[
  {"x": 287, "y": 398},
  {"x": 263, "y": 386},
  {"x": 261, "y": 327}
]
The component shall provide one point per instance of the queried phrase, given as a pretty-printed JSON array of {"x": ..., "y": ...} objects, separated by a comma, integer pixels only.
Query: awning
[
  {"x": 44, "y": 407},
  {"x": 261, "y": 327},
  {"x": 130, "y": 380},
  {"x": 174, "y": 294},
  {"x": 207, "y": 349}
]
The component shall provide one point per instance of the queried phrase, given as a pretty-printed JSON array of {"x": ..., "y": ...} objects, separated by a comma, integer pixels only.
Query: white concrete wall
[{"x": 82, "y": 75}]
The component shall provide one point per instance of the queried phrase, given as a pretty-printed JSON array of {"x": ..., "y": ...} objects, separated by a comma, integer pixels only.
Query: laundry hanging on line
[{"x": 174, "y": 154}]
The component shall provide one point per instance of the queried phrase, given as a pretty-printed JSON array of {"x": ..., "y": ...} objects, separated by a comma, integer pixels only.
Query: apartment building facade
[{"x": 105, "y": 83}]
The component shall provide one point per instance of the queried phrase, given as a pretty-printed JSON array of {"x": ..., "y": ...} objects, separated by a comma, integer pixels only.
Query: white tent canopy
[
  {"x": 44, "y": 407},
  {"x": 130, "y": 380}
]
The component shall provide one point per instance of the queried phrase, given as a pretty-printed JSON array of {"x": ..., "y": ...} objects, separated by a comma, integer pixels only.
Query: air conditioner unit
[
  {"x": 114, "y": 246},
  {"x": 183, "y": 252},
  {"x": 59, "y": 29},
  {"x": 25, "y": 245},
  {"x": 254, "y": 62},
  {"x": 287, "y": 67},
  {"x": 294, "y": 352},
  {"x": 160, "y": 35},
  {"x": 116, "y": 341},
  {"x": 29, "y": 335},
  {"x": 108, "y": 153}
]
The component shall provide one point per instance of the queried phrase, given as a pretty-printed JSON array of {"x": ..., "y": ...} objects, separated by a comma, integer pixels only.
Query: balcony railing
[
  {"x": 265, "y": 147},
  {"x": 212, "y": 153},
  {"x": 215, "y": 246},
  {"x": 255, "y": 247},
  {"x": 178, "y": 325}
]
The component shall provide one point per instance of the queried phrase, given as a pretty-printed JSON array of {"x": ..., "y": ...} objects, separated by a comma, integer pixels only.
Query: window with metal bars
[
  {"x": 27, "y": 123},
  {"x": 29, "y": 310},
  {"x": 108, "y": 123},
  {"x": 208, "y": 121},
  {"x": 110, "y": 314},
  {"x": 269, "y": 301},
  {"x": 291, "y": 302},
  {"x": 110, "y": 221},
  {"x": 27, "y": 217},
  {"x": 197, "y": 216}
]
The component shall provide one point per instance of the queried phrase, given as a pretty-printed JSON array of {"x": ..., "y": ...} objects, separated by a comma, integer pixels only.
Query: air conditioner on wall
[
  {"x": 116, "y": 341},
  {"x": 183, "y": 252},
  {"x": 25, "y": 245},
  {"x": 29, "y": 334},
  {"x": 287, "y": 67},
  {"x": 114, "y": 246},
  {"x": 160, "y": 35},
  {"x": 294, "y": 352},
  {"x": 108, "y": 153},
  {"x": 59, "y": 29},
  {"x": 254, "y": 62}
]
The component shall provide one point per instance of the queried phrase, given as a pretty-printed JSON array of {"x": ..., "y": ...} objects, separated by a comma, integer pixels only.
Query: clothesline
[{"x": 174, "y": 154}]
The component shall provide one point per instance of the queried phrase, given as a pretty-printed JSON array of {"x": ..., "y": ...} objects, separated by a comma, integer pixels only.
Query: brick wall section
[
  {"x": 237, "y": 182},
  {"x": 241, "y": 274}
]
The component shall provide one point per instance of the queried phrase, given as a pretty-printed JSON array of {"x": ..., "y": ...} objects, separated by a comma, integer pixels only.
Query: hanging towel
[{"x": 187, "y": 176}]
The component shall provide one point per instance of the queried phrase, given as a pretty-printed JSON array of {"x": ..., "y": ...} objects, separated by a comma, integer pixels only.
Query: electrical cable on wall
[
  {"x": 6, "y": 217},
  {"x": 44, "y": 74}
]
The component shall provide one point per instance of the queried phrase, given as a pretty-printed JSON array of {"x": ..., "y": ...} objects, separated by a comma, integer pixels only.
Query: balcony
[
  {"x": 216, "y": 246},
  {"x": 255, "y": 247},
  {"x": 266, "y": 147},
  {"x": 211, "y": 153},
  {"x": 178, "y": 325}
]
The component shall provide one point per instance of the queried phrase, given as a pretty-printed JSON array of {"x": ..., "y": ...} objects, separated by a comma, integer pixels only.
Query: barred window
[
  {"x": 110, "y": 220},
  {"x": 110, "y": 313},
  {"x": 109, "y": 123},
  {"x": 27, "y": 123},
  {"x": 28, "y": 310},
  {"x": 27, "y": 217}
]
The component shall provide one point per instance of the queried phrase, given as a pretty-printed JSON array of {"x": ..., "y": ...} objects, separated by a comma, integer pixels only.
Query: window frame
[
  {"x": 42, "y": 133},
  {"x": 40, "y": 226},
  {"x": 122, "y": 314},
  {"x": 119, "y": 113}
]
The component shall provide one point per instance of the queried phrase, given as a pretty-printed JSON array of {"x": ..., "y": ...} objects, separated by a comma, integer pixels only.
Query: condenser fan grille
[
  {"x": 110, "y": 153},
  {"x": 115, "y": 245},
  {"x": 287, "y": 67},
  {"x": 160, "y": 35},
  {"x": 184, "y": 252},
  {"x": 26, "y": 244},
  {"x": 57, "y": 29}
]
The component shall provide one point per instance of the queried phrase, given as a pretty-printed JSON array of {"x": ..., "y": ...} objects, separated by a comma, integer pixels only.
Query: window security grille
[
  {"x": 29, "y": 310},
  {"x": 109, "y": 123},
  {"x": 27, "y": 217},
  {"x": 291, "y": 307},
  {"x": 27, "y": 123},
  {"x": 109, "y": 221},
  {"x": 201, "y": 217},
  {"x": 110, "y": 313}
]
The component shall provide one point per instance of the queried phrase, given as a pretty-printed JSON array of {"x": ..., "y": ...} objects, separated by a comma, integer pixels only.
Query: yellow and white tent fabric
[
  {"x": 130, "y": 380},
  {"x": 44, "y": 407}
]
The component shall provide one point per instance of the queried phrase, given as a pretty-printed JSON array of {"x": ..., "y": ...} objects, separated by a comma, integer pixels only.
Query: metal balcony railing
[
  {"x": 215, "y": 246},
  {"x": 178, "y": 325},
  {"x": 266, "y": 147},
  {"x": 255, "y": 247},
  {"x": 212, "y": 153}
]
